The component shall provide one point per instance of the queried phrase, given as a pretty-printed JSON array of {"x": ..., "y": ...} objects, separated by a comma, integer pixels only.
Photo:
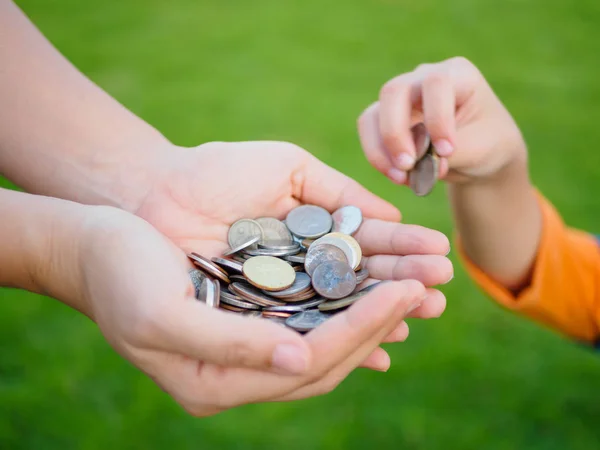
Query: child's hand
[{"x": 469, "y": 127}]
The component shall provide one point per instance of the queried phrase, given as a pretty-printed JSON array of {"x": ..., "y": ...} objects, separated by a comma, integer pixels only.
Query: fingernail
[
  {"x": 405, "y": 161},
  {"x": 397, "y": 176},
  {"x": 290, "y": 358},
  {"x": 443, "y": 147}
]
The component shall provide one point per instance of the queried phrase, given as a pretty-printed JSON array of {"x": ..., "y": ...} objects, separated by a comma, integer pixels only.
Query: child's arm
[{"x": 512, "y": 240}]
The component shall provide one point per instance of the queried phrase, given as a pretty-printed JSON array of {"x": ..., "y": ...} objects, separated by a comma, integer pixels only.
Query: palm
[{"x": 204, "y": 190}]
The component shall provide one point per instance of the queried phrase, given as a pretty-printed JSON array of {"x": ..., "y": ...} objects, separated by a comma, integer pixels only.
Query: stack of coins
[
  {"x": 298, "y": 272},
  {"x": 424, "y": 174}
]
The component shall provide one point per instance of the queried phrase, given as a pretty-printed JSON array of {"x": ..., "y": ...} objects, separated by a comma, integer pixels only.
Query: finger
[
  {"x": 321, "y": 185},
  {"x": 378, "y": 237},
  {"x": 191, "y": 328},
  {"x": 443, "y": 171},
  {"x": 395, "y": 107},
  {"x": 341, "y": 371},
  {"x": 370, "y": 139},
  {"x": 378, "y": 360},
  {"x": 432, "y": 307},
  {"x": 400, "y": 333},
  {"x": 332, "y": 343},
  {"x": 439, "y": 107},
  {"x": 430, "y": 270}
]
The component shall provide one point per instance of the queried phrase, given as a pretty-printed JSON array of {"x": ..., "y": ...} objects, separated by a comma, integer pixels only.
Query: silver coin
[
  {"x": 196, "y": 276},
  {"x": 362, "y": 275},
  {"x": 242, "y": 231},
  {"x": 421, "y": 139},
  {"x": 272, "y": 252},
  {"x": 309, "y": 221},
  {"x": 230, "y": 300},
  {"x": 307, "y": 320},
  {"x": 208, "y": 292},
  {"x": 347, "y": 219},
  {"x": 301, "y": 283},
  {"x": 251, "y": 313},
  {"x": 346, "y": 301},
  {"x": 251, "y": 294},
  {"x": 347, "y": 243},
  {"x": 423, "y": 176},
  {"x": 273, "y": 229},
  {"x": 241, "y": 278},
  {"x": 300, "y": 258},
  {"x": 208, "y": 266},
  {"x": 279, "y": 244},
  {"x": 334, "y": 279},
  {"x": 320, "y": 253},
  {"x": 229, "y": 265},
  {"x": 297, "y": 307},
  {"x": 249, "y": 243}
]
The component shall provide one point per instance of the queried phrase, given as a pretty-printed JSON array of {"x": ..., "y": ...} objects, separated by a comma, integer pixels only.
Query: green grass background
[{"x": 302, "y": 71}]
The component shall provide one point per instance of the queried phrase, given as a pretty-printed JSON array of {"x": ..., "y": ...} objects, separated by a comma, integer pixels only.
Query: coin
[
  {"x": 421, "y": 139},
  {"x": 253, "y": 295},
  {"x": 232, "y": 308},
  {"x": 209, "y": 267},
  {"x": 306, "y": 243},
  {"x": 251, "y": 313},
  {"x": 278, "y": 244},
  {"x": 196, "y": 276},
  {"x": 229, "y": 265},
  {"x": 320, "y": 253},
  {"x": 347, "y": 301},
  {"x": 347, "y": 219},
  {"x": 334, "y": 279},
  {"x": 242, "y": 231},
  {"x": 269, "y": 273},
  {"x": 217, "y": 299},
  {"x": 208, "y": 293},
  {"x": 362, "y": 275},
  {"x": 245, "y": 244},
  {"x": 301, "y": 283},
  {"x": 307, "y": 320},
  {"x": 230, "y": 300},
  {"x": 348, "y": 244},
  {"x": 267, "y": 314},
  {"x": 241, "y": 278},
  {"x": 273, "y": 229},
  {"x": 272, "y": 252},
  {"x": 298, "y": 307},
  {"x": 423, "y": 176},
  {"x": 309, "y": 221},
  {"x": 299, "y": 258}
]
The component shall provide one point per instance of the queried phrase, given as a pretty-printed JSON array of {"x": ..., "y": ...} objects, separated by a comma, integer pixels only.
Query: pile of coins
[
  {"x": 424, "y": 174},
  {"x": 297, "y": 272}
]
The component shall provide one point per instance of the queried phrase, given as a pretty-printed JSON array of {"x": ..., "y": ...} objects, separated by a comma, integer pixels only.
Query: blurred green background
[{"x": 302, "y": 71}]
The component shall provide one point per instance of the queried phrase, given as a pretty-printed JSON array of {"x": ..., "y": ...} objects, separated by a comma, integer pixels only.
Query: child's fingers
[
  {"x": 439, "y": 105},
  {"x": 395, "y": 111},
  {"x": 370, "y": 139}
]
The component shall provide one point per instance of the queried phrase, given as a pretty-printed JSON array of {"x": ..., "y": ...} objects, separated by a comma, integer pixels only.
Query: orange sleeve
[{"x": 564, "y": 290}]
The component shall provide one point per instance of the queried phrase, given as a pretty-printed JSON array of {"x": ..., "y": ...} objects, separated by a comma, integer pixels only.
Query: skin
[
  {"x": 121, "y": 260},
  {"x": 484, "y": 160}
]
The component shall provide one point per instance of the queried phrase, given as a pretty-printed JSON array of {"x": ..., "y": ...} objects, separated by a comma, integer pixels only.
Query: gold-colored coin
[{"x": 269, "y": 273}]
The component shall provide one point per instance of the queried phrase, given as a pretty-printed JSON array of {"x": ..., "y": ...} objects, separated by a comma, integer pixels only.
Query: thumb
[
  {"x": 215, "y": 336},
  {"x": 324, "y": 186}
]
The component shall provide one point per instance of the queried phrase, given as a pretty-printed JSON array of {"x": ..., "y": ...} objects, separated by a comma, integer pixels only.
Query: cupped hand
[
  {"x": 470, "y": 128},
  {"x": 198, "y": 193},
  {"x": 136, "y": 288}
]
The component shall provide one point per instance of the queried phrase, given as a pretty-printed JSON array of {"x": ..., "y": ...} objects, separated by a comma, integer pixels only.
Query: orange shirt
[{"x": 564, "y": 293}]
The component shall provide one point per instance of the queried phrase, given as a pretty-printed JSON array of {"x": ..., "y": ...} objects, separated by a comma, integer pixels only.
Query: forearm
[
  {"x": 60, "y": 134},
  {"x": 40, "y": 239},
  {"x": 499, "y": 223}
]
